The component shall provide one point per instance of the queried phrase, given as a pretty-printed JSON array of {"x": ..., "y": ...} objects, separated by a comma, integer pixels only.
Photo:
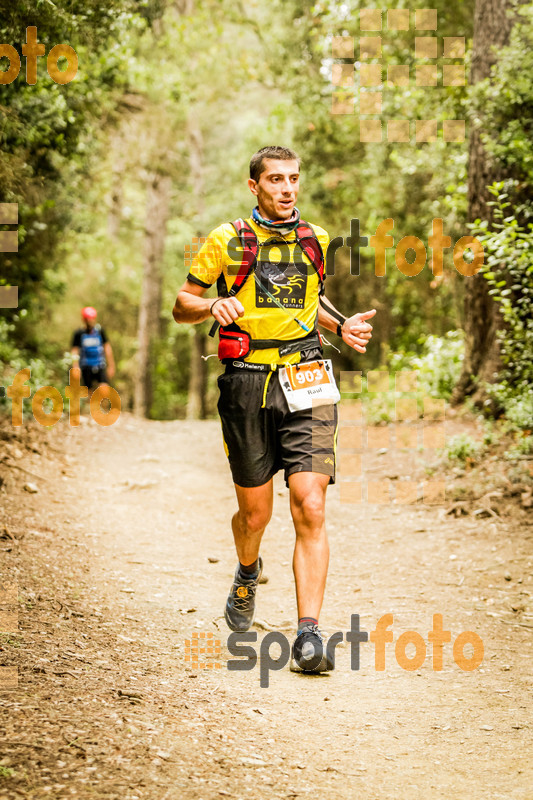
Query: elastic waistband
[{"x": 237, "y": 366}]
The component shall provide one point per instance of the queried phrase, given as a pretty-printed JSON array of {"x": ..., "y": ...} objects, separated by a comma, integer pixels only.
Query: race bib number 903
[{"x": 309, "y": 384}]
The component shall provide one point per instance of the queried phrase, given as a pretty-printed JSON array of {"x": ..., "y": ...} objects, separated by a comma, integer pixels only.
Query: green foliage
[
  {"x": 437, "y": 367},
  {"x": 344, "y": 178},
  {"x": 6, "y": 772},
  {"x": 170, "y": 375},
  {"x": 504, "y": 107},
  {"x": 463, "y": 448},
  {"x": 519, "y": 411},
  {"x": 505, "y": 103},
  {"x": 508, "y": 269},
  {"x": 517, "y": 407},
  {"x": 379, "y": 407},
  {"x": 490, "y": 435},
  {"x": 47, "y": 135},
  {"x": 13, "y": 359},
  {"x": 524, "y": 447}
]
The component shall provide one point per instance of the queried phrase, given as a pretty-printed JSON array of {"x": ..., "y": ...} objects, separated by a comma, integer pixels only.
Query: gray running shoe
[
  {"x": 240, "y": 606},
  {"x": 309, "y": 652}
]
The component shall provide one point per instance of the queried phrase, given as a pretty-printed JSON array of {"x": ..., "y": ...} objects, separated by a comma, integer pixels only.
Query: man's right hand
[{"x": 226, "y": 310}]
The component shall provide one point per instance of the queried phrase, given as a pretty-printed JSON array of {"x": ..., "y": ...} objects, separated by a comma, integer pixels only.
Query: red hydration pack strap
[
  {"x": 306, "y": 238},
  {"x": 250, "y": 247}
]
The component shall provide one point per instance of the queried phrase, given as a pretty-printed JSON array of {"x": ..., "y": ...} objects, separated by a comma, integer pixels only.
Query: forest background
[{"x": 148, "y": 147}]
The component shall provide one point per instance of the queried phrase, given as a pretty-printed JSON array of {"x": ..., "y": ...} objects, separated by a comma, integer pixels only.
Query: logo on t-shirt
[{"x": 284, "y": 281}]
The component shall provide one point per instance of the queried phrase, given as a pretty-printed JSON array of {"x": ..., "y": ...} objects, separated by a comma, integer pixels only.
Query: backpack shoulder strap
[
  {"x": 250, "y": 247},
  {"x": 307, "y": 239}
]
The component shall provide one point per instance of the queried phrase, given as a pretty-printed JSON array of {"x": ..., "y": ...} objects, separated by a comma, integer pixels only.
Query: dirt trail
[{"x": 108, "y": 706}]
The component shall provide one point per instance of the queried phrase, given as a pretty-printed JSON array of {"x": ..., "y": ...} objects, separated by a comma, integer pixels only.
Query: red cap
[{"x": 89, "y": 312}]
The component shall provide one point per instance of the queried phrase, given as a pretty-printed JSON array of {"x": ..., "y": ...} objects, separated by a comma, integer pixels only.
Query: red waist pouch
[{"x": 233, "y": 344}]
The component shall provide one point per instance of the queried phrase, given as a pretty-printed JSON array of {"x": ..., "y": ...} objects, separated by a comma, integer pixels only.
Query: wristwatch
[{"x": 339, "y": 328}]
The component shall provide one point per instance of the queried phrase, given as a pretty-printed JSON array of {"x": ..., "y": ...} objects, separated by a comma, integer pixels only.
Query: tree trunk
[
  {"x": 481, "y": 318},
  {"x": 114, "y": 215},
  {"x": 157, "y": 209},
  {"x": 196, "y": 408},
  {"x": 198, "y": 372}
]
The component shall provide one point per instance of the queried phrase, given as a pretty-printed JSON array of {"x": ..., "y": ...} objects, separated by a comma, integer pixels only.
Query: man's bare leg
[
  {"x": 311, "y": 550},
  {"x": 250, "y": 521},
  {"x": 310, "y": 565}
]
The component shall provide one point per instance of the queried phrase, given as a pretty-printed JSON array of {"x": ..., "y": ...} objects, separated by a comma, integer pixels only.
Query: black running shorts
[
  {"x": 91, "y": 375},
  {"x": 261, "y": 435}
]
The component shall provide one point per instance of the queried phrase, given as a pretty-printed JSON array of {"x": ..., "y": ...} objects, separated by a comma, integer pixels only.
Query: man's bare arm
[
  {"x": 192, "y": 307},
  {"x": 356, "y": 332},
  {"x": 326, "y": 319}
]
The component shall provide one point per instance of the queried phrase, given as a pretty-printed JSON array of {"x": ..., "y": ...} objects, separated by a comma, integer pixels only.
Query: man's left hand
[{"x": 357, "y": 332}]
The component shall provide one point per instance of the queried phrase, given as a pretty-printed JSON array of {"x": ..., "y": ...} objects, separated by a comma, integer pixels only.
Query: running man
[
  {"x": 92, "y": 352},
  {"x": 268, "y": 312}
]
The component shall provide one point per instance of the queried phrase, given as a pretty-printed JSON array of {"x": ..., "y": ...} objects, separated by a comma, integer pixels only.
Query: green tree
[
  {"x": 508, "y": 156},
  {"x": 44, "y": 136}
]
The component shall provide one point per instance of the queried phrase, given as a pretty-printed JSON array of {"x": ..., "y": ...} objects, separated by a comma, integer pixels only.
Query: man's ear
[{"x": 252, "y": 185}]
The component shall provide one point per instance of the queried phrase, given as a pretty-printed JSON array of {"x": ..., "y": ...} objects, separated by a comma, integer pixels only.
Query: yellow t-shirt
[{"x": 290, "y": 278}]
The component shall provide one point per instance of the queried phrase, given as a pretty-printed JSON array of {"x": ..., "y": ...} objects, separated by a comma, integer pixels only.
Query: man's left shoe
[{"x": 309, "y": 652}]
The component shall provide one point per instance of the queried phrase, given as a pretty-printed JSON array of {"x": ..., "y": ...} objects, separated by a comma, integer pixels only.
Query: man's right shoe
[
  {"x": 309, "y": 652},
  {"x": 240, "y": 606}
]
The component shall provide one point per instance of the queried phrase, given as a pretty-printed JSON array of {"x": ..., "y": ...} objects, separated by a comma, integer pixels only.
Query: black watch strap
[{"x": 339, "y": 329}]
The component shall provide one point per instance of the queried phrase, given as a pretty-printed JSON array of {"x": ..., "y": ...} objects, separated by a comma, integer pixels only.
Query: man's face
[
  {"x": 277, "y": 188},
  {"x": 89, "y": 322}
]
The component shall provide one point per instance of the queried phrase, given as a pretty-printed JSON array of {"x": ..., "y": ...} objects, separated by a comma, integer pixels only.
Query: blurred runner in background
[{"x": 92, "y": 352}]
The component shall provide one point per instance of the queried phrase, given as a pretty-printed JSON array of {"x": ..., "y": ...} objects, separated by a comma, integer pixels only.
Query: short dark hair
[{"x": 272, "y": 151}]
